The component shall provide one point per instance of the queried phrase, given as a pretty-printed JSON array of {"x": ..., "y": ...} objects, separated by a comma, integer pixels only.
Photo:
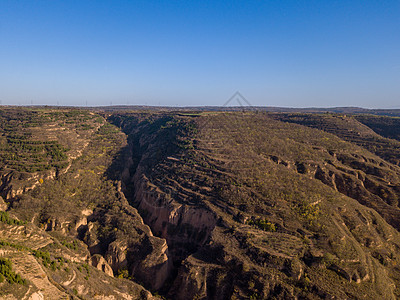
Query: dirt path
[{"x": 68, "y": 282}]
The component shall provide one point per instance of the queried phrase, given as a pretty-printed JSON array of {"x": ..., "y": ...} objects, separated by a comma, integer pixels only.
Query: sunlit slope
[
  {"x": 198, "y": 205},
  {"x": 264, "y": 206},
  {"x": 66, "y": 228}
]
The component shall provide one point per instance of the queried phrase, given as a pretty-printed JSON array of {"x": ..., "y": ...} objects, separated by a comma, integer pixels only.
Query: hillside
[{"x": 199, "y": 205}]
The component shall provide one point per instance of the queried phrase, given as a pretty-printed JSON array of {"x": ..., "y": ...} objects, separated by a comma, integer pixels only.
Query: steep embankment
[
  {"x": 254, "y": 207},
  {"x": 153, "y": 139}
]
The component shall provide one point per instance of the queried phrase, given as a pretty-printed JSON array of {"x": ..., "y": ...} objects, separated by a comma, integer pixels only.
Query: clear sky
[{"x": 276, "y": 53}]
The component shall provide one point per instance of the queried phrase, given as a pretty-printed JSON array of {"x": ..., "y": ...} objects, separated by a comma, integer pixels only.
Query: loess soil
[{"x": 199, "y": 204}]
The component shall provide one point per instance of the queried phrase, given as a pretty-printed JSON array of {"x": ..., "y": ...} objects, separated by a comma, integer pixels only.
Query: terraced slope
[
  {"x": 388, "y": 127},
  {"x": 68, "y": 228},
  {"x": 255, "y": 207},
  {"x": 209, "y": 205},
  {"x": 370, "y": 180},
  {"x": 357, "y": 129}
]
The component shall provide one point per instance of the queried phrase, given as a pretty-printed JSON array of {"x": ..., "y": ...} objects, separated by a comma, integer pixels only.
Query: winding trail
[{"x": 68, "y": 282}]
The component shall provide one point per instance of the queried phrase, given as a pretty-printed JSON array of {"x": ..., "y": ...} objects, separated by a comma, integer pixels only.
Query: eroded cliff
[
  {"x": 253, "y": 207},
  {"x": 211, "y": 205}
]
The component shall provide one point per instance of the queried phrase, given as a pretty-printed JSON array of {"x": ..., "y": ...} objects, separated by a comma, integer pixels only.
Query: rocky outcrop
[
  {"x": 101, "y": 264},
  {"x": 14, "y": 183},
  {"x": 156, "y": 267},
  {"x": 69, "y": 225},
  {"x": 3, "y": 205},
  {"x": 147, "y": 259},
  {"x": 88, "y": 234},
  {"x": 116, "y": 255},
  {"x": 83, "y": 219},
  {"x": 191, "y": 281}
]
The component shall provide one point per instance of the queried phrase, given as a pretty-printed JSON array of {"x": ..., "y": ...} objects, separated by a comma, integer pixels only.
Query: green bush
[
  {"x": 5, "y": 218},
  {"x": 263, "y": 224},
  {"x": 308, "y": 211},
  {"x": 72, "y": 246},
  {"x": 123, "y": 273},
  {"x": 44, "y": 255},
  {"x": 15, "y": 246},
  {"x": 8, "y": 274}
]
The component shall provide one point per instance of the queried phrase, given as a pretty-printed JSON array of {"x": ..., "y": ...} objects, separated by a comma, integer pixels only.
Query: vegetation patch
[
  {"x": 5, "y": 218},
  {"x": 308, "y": 211},
  {"x": 262, "y": 224},
  {"x": 124, "y": 273},
  {"x": 73, "y": 246},
  {"x": 84, "y": 268},
  {"x": 7, "y": 273},
  {"x": 47, "y": 261},
  {"x": 12, "y": 245}
]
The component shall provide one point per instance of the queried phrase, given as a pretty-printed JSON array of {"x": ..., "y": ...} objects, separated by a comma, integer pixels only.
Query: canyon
[{"x": 185, "y": 204}]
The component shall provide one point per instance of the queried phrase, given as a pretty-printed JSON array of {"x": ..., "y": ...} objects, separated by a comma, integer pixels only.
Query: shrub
[
  {"x": 44, "y": 255},
  {"x": 123, "y": 273},
  {"x": 308, "y": 211},
  {"x": 263, "y": 224},
  {"x": 5, "y": 218},
  {"x": 72, "y": 246},
  {"x": 8, "y": 274}
]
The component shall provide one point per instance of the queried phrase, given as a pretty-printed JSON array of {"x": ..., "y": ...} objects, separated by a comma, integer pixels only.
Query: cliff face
[{"x": 185, "y": 227}]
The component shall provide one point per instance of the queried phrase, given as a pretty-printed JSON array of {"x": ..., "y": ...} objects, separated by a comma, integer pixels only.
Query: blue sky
[{"x": 276, "y": 53}]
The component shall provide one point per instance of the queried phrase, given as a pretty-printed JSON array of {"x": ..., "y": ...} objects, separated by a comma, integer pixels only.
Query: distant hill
[{"x": 337, "y": 110}]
